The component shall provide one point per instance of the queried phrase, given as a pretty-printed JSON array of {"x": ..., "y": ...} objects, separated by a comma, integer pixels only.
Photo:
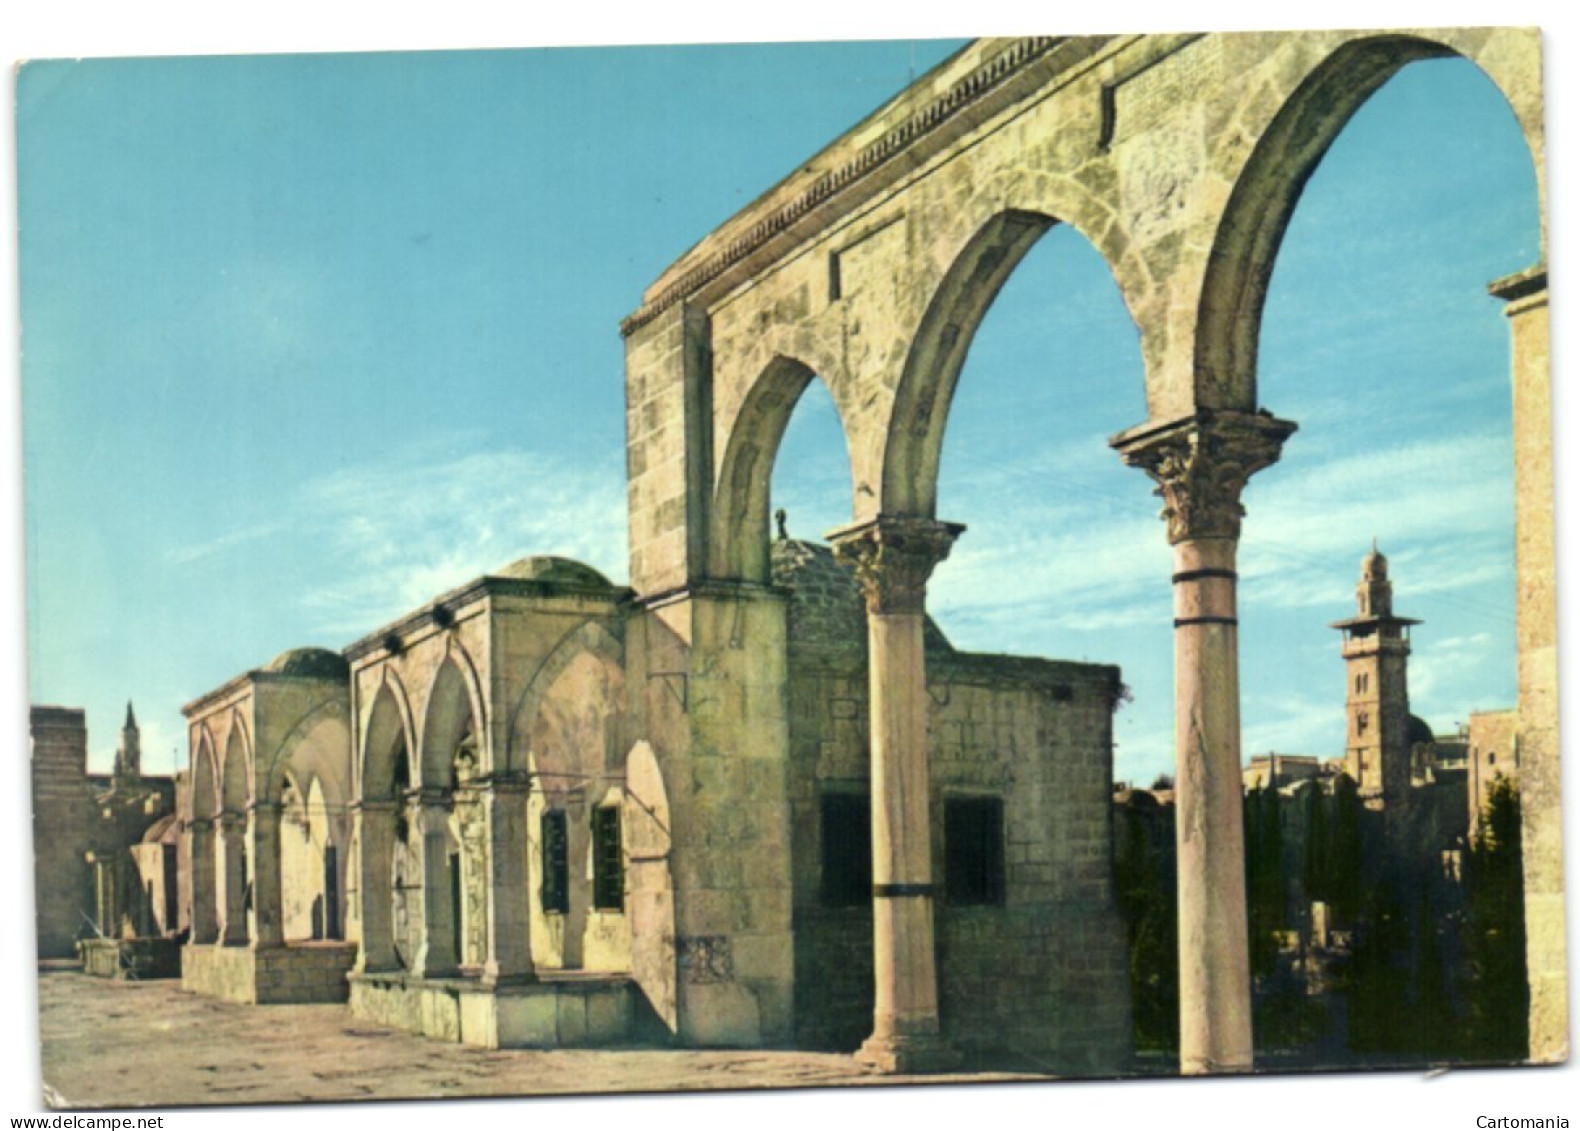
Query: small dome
[
  {"x": 309, "y": 663},
  {"x": 1374, "y": 565},
  {"x": 552, "y": 570},
  {"x": 1419, "y": 731}
]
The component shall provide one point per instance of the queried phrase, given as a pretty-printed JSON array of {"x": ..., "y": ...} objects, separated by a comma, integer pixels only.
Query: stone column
[
  {"x": 205, "y": 911},
  {"x": 375, "y": 833},
  {"x": 893, "y": 557},
  {"x": 266, "y": 919},
  {"x": 1536, "y": 632},
  {"x": 230, "y": 841},
  {"x": 1201, "y": 464},
  {"x": 437, "y": 952},
  {"x": 509, "y": 956}
]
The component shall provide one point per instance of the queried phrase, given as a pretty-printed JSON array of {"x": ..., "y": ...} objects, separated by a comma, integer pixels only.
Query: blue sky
[{"x": 308, "y": 340}]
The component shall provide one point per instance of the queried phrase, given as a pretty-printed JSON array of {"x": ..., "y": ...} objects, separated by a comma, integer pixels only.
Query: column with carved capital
[
  {"x": 1201, "y": 464},
  {"x": 438, "y": 951},
  {"x": 509, "y": 958},
  {"x": 230, "y": 842},
  {"x": 266, "y": 916},
  {"x": 375, "y": 836},
  {"x": 893, "y": 558}
]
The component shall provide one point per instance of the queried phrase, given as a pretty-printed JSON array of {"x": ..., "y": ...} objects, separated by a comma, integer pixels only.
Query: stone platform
[
  {"x": 295, "y": 974},
  {"x": 131, "y": 958},
  {"x": 558, "y": 1010}
]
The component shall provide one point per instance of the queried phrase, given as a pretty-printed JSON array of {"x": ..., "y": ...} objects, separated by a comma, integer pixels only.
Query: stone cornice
[
  {"x": 971, "y": 90},
  {"x": 445, "y": 611}
]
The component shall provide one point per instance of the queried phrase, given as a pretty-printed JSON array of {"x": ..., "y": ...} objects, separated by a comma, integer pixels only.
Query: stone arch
[
  {"x": 206, "y": 777},
  {"x": 938, "y": 353},
  {"x": 454, "y": 705},
  {"x": 1267, "y": 190},
  {"x": 739, "y": 543},
  {"x": 589, "y": 636},
  {"x": 386, "y": 738},
  {"x": 311, "y": 746},
  {"x": 236, "y": 769}
]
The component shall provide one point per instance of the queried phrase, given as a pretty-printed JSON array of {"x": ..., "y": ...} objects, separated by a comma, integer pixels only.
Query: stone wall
[
  {"x": 63, "y": 820},
  {"x": 1040, "y": 974},
  {"x": 280, "y": 975}
]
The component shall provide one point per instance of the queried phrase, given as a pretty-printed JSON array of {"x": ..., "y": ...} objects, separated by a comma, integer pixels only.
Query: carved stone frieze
[
  {"x": 894, "y": 557},
  {"x": 1201, "y": 464}
]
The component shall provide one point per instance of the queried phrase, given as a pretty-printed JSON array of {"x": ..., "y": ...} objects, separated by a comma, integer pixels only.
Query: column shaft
[
  {"x": 907, "y": 981},
  {"x": 375, "y": 833},
  {"x": 205, "y": 911},
  {"x": 1214, "y": 944},
  {"x": 509, "y": 946},
  {"x": 231, "y": 843},
  {"x": 263, "y": 840},
  {"x": 437, "y": 953}
]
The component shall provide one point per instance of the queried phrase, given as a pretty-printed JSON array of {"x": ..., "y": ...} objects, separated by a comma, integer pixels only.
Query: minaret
[
  {"x": 1376, "y": 654},
  {"x": 129, "y": 755}
]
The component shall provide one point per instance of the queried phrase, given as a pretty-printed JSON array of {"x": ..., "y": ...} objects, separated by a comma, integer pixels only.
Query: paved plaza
[{"x": 98, "y": 1036}]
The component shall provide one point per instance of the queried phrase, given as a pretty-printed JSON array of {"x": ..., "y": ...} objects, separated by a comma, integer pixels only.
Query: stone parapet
[{"x": 580, "y": 1011}]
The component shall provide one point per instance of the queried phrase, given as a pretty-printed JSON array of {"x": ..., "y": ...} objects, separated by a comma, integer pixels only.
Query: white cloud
[{"x": 400, "y": 533}]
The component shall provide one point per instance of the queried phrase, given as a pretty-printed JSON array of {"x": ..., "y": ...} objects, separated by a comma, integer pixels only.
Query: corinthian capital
[
  {"x": 894, "y": 557},
  {"x": 1201, "y": 463}
]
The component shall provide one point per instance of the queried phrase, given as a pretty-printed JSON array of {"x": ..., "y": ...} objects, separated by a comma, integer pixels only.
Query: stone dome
[
  {"x": 551, "y": 570},
  {"x": 1419, "y": 731},
  {"x": 1374, "y": 565},
  {"x": 309, "y": 663}
]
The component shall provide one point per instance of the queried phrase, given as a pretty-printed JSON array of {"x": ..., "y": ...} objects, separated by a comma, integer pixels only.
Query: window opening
[
  {"x": 556, "y": 863},
  {"x": 974, "y": 850},
  {"x": 847, "y": 849},
  {"x": 608, "y": 862}
]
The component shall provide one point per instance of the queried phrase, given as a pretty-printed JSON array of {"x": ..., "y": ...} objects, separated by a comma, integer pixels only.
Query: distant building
[
  {"x": 1280, "y": 770},
  {"x": 84, "y": 825}
]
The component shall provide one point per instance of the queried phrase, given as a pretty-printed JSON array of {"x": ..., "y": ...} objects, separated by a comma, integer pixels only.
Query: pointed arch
[
  {"x": 386, "y": 740},
  {"x": 454, "y": 705},
  {"x": 205, "y": 776},
  {"x": 588, "y": 638},
  {"x": 318, "y": 743},
  {"x": 236, "y": 770},
  {"x": 739, "y": 543},
  {"x": 1267, "y": 190}
]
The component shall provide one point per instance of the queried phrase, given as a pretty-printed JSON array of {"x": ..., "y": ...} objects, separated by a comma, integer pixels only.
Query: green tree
[{"x": 1497, "y": 993}]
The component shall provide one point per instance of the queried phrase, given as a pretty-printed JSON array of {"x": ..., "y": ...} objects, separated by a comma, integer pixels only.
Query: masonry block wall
[
  {"x": 1038, "y": 967},
  {"x": 63, "y": 821}
]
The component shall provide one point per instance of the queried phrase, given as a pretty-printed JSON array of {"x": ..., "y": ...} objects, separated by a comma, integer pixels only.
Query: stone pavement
[{"x": 109, "y": 1044}]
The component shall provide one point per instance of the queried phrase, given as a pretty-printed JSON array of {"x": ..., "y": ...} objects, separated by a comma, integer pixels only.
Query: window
[
  {"x": 847, "y": 849},
  {"x": 556, "y": 863},
  {"x": 1361, "y": 722},
  {"x": 1362, "y": 682},
  {"x": 608, "y": 862},
  {"x": 974, "y": 850}
]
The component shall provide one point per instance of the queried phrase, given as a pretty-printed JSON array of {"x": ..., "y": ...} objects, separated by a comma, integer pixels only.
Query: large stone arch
[
  {"x": 739, "y": 542},
  {"x": 1287, "y": 146},
  {"x": 974, "y": 278}
]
